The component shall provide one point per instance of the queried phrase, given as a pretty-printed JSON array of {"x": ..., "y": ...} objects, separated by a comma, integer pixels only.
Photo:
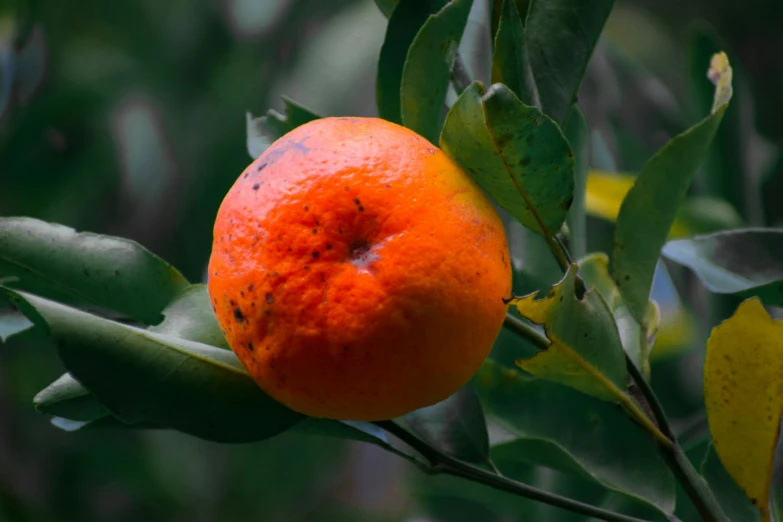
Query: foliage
[{"x": 575, "y": 424}]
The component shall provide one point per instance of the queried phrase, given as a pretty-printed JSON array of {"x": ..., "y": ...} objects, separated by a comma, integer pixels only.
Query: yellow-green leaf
[
  {"x": 743, "y": 392},
  {"x": 636, "y": 341},
  {"x": 586, "y": 352}
]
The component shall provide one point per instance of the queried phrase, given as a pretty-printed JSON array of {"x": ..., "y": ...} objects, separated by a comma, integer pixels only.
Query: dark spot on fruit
[
  {"x": 315, "y": 231},
  {"x": 261, "y": 167},
  {"x": 388, "y": 185},
  {"x": 307, "y": 209},
  {"x": 250, "y": 346},
  {"x": 340, "y": 231},
  {"x": 358, "y": 248},
  {"x": 238, "y": 315},
  {"x": 246, "y": 174},
  {"x": 322, "y": 276},
  {"x": 275, "y": 274},
  {"x": 356, "y": 200},
  {"x": 361, "y": 208},
  {"x": 232, "y": 302},
  {"x": 316, "y": 254},
  {"x": 270, "y": 298},
  {"x": 242, "y": 293},
  {"x": 250, "y": 287},
  {"x": 347, "y": 189},
  {"x": 256, "y": 186},
  {"x": 328, "y": 246},
  {"x": 307, "y": 267}
]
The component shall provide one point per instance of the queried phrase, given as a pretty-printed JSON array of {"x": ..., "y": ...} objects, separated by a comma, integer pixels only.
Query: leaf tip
[{"x": 720, "y": 74}]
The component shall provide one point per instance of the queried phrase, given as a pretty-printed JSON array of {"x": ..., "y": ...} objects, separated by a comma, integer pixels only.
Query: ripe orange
[{"x": 357, "y": 272}]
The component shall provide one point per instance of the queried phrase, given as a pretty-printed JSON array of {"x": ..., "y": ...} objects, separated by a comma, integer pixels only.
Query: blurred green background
[{"x": 128, "y": 118}]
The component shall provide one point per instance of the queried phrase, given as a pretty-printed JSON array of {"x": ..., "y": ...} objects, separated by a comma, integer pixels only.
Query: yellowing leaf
[
  {"x": 743, "y": 392},
  {"x": 605, "y": 193},
  {"x": 586, "y": 352}
]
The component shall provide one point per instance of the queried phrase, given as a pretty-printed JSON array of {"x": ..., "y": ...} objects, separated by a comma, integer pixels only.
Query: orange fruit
[{"x": 357, "y": 272}]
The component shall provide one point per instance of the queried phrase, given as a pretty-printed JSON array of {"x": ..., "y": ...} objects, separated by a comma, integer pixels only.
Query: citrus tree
[{"x": 567, "y": 386}]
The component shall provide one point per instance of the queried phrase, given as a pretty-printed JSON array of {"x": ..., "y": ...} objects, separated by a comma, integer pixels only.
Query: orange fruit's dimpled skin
[{"x": 357, "y": 272}]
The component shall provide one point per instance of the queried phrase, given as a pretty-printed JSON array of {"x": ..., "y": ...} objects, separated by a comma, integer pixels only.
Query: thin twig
[
  {"x": 654, "y": 420},
  {"x": 450, "y": 466}
]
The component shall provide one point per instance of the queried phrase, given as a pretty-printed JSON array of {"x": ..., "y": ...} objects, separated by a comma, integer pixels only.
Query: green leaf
[
  {"x": 561, "y": 36},
  {"x": 404, "y": 24},
  {"x": 745, "y": 262},
  {"x": 586, "y": 352},
  {"x": 263, "y": 131},
  {"x": 518, "y": 155},
  {"x": 455, "y": 426},
  {"x": 106, "y": 271},
  {"x": 545, "y": 424},
  {"x": 427, "y": 69},
  {"x": 637, "y": 343},
  {"x": 578, "y": 134},
  {"x": 510, "y": 61},
  {"x": 730, "y": 497},
  {"x": 142, "y": 376},
  {"x": 649, "y": 209},
  {"x": 190, "y": 316},
  {"x": 67, "y": 398}
]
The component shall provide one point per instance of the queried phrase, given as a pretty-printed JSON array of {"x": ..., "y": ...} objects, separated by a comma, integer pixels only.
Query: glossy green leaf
[
  {"x": 586, "y": 352},
  {"x": 263, "y": 131},
  {"x": 105, "y": 271},
  {"x": 455, "y": 426},
  {"x": 577, "y": 132},
  {"x": 143, "y": 376},
  {"x": 190, "y": 316},
  {"x": 427, "y": 70},
  {"x": 561, "y": 36},
  {"x": 649, "y": 209},
  {"x": 545, "y": 424},
  {"x": 744, "y": 261},
  {"x": 404, "y": 24},
  {"x": 518, "y": 155},
  {"x": 67, "y": 398},
  {"x": 730, "y": 497},
  {"x": 510, "y": 61}
]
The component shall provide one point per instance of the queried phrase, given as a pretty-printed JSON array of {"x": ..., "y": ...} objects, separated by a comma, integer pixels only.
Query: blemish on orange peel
[{"x": 357, "y": 272}]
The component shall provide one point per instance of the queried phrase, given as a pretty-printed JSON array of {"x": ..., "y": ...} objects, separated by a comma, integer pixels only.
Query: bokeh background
[{"x": 128, "y": 118}]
